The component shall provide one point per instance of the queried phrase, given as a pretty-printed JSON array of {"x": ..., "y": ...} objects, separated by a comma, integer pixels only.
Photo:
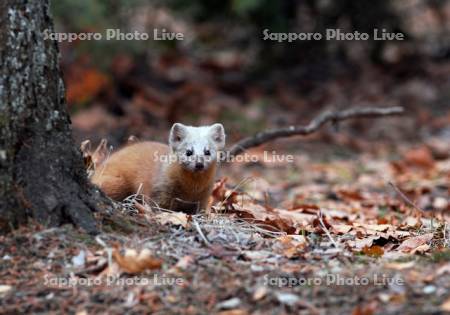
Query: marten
[{"x": 178, "y": 176}]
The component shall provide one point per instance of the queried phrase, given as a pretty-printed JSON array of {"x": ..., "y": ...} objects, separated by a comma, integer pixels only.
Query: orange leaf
[
  {"x": 373, "y": 251},
  {"x": 420, "y": 157},
  {"x": 219, "y": 190},
  {"x": 132, "y": 262},
  {"x": 83, "y": 84},
  {"x": 351, "y": 195}
]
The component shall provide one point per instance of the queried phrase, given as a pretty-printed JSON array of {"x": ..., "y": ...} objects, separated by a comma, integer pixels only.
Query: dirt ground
[{"x": 324, "y": 235}]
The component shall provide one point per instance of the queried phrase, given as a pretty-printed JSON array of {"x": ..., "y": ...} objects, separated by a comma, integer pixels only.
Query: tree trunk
[{"x": 41, "y": 171}]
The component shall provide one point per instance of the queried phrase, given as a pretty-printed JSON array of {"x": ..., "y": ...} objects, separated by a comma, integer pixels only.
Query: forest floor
[
  {"x": 330, "y": 233},
  {"x": 357, "y": 224}
]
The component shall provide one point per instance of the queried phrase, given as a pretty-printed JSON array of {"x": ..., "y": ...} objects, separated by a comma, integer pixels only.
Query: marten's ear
[
  {"x": 177, "y": 134},
  {"x": 218, "y": 135}
]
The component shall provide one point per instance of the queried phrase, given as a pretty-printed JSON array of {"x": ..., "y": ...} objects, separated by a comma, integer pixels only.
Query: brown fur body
[{"x": 134, "y": 168}]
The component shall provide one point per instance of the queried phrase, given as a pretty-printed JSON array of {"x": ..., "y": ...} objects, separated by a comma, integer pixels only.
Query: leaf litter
[{"x": 284, "y": 243}]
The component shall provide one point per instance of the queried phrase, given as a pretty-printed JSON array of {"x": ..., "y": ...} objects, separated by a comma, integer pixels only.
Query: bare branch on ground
[{"x": 325, "y": 117}]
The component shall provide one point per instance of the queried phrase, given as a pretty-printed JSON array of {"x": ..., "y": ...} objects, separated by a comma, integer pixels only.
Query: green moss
[
  {"x": 406, "y": 259},
  {"x": 84, "y": 238},
  {"x": 440, "y": 256},
  {"x": 117, "y": 223},
  {"x": 361, "y": 258}
]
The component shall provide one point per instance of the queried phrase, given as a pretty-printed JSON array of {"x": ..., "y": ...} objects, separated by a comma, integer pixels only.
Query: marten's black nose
[{"x": 199, "y": 166}]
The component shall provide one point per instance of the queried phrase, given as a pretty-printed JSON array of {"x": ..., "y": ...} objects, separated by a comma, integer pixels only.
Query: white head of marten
[
  {"x": 197, "y": 148},
  {"x": 182, "y": 182}
]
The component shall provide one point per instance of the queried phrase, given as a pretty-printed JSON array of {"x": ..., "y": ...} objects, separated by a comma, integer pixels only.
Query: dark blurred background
[{"x": 224, "y": 71}]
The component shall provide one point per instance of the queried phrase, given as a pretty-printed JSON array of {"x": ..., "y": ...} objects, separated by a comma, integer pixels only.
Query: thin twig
[
  {"x": 314, "y": 125},
  {"x": 404, "y": 197},
  {"x": 241, "y": 183},
  {"x": 107, "y": 248},
  {"x": 324, "y": 228},
  {"x": 199, "y": 230}
]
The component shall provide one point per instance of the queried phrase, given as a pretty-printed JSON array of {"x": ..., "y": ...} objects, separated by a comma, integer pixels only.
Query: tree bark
[{"x": 41, "y": 171}]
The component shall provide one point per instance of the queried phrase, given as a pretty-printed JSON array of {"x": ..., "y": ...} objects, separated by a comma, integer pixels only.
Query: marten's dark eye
[
  {"x": 207, "y": 152},
  {"x": 189, "y": 152}
]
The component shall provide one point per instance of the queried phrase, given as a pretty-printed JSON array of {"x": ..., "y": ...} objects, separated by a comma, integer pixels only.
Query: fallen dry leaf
[
  {"x": 400, "y": 265},
  {"x": 184, "y": 262},
  {"x": 373, "y": 251},
  {"x": 359, "y": 244},
  {"x": 133, "y": 262},
  {"x": 412, "y": 222},
  {"x": 415, "y": 242},
  {"x": 4, "y": 288},
  {"x": 419, "y": 157},
  {"x": 446, "y": 306},
  {"x": 293, "y": 245},
  {"x": 175, "y": 218},
  {"x": 421, "y": 249},
  {"x": 368, "y": 309},
  {"x": 350, "y": 195},
  {"x": 440, "y": 203},
  {"x": 341, "y": 228},
  {"x": 443, "y": 270},
  {"x": 377, "y": 227},
  {"x": 219, "y": 191},
  {"x": 260, "y": 293}
]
